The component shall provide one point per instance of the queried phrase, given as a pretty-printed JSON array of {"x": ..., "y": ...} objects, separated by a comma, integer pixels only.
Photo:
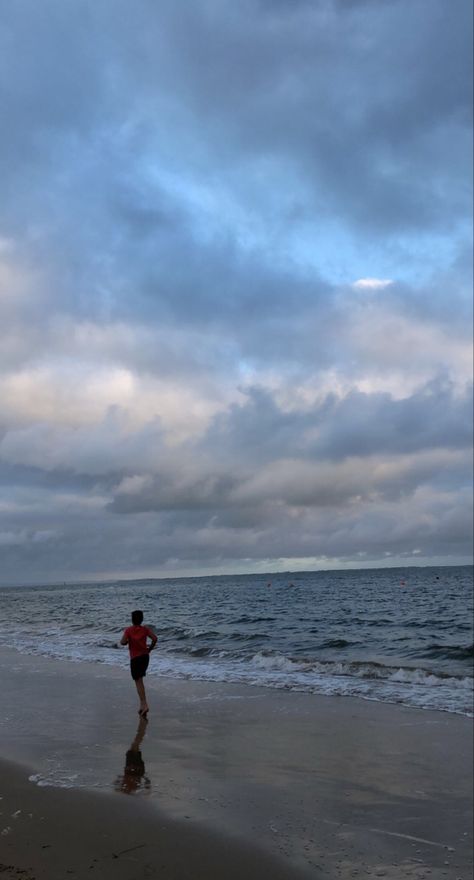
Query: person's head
[{"x": 137, "y": 618}]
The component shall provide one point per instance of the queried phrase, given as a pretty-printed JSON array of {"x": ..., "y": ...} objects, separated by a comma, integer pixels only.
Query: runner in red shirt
[{"x": 135, "y": 637}]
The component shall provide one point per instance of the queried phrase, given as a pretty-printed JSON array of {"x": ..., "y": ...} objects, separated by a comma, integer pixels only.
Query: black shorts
[{"x": 139, "y": 666}]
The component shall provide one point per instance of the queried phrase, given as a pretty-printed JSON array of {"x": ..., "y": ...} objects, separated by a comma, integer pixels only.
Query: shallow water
[{"x": 395, "y": 635}]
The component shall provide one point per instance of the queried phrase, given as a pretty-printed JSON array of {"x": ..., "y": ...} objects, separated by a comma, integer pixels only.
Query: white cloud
[
  {"x": 78, "y": 392},
  {"x": 372, "y": 283},
  {"x": 180, "y": 235}
]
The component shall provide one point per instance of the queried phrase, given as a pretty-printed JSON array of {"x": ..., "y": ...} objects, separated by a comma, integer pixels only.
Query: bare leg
[{"x": 141, "y": 693}]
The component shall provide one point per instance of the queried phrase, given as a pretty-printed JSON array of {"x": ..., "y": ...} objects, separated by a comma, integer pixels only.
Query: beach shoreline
[
  {"x": 54, "y": 833},
  {"x": 343, "y": 634},
  {"x": 312, "y": 785}
]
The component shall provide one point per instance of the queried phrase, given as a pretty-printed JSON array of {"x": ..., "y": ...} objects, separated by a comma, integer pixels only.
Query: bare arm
[
  {"x": 153, "y": 638},
  {"x": 124, "y": 640}
]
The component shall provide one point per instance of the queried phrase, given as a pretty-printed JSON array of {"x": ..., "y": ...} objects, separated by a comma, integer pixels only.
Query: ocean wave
[
  {"x": 248, "y": 618},
  {"x": 415, "y": 687},
  {"x": 275, "y": 661},
  {"x": 410, "y": 686},
  {"x": 448, "y": 652},
  {"x": 358, "y": 669},
  {"x": 337, "y": 643},
  {"x": 348, "y": 634},
  {"x": 200, "y": 652}
]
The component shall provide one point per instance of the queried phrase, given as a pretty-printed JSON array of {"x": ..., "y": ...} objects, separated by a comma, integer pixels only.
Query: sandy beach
[{"x": 224, "y": 780}]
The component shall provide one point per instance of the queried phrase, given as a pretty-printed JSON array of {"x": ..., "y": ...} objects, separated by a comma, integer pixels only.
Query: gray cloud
[
  {"x": 188, "y": 376},
  {"x": 434, "y": 417}
]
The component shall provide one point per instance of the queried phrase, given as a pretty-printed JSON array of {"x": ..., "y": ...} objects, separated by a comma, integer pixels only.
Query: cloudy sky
[{"x": 235, "y": 292}]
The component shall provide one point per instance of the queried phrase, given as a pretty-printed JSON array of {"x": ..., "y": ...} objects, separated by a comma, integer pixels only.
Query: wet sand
[
  {"x": 52, "y": 834},
  {"x": 222, "y": 779}
]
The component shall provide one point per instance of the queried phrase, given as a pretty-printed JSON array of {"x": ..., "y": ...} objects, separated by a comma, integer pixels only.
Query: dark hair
[{"x": 137, "y": 617}]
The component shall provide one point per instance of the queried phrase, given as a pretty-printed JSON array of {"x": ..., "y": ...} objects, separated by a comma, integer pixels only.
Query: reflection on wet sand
[{"x": 133, "y": 779}]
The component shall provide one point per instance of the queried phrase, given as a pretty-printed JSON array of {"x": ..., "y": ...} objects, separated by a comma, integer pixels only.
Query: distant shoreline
[{"x": 73, "y": 582}]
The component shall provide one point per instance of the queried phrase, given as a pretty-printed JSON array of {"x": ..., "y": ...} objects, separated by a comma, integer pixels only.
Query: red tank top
[{"x": 136, "y": 639}]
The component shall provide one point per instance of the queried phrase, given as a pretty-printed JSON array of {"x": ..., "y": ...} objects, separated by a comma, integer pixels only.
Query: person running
[{"x": 135, "y": 637}]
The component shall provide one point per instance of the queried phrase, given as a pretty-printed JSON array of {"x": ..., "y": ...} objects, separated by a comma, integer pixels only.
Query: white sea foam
[
  {"x": 372, "y": 681},
  {"x": 353, "y": 634},
  {"x": 412, "y": 687},
  {"x": 55, "y": 779}
]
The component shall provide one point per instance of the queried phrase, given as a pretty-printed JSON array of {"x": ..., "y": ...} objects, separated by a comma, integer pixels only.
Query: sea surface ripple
[{"x": 394, "y": 635}]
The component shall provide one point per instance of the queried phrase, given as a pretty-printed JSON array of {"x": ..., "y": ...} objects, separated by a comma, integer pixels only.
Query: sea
[{"x": 391, "y": 635}]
